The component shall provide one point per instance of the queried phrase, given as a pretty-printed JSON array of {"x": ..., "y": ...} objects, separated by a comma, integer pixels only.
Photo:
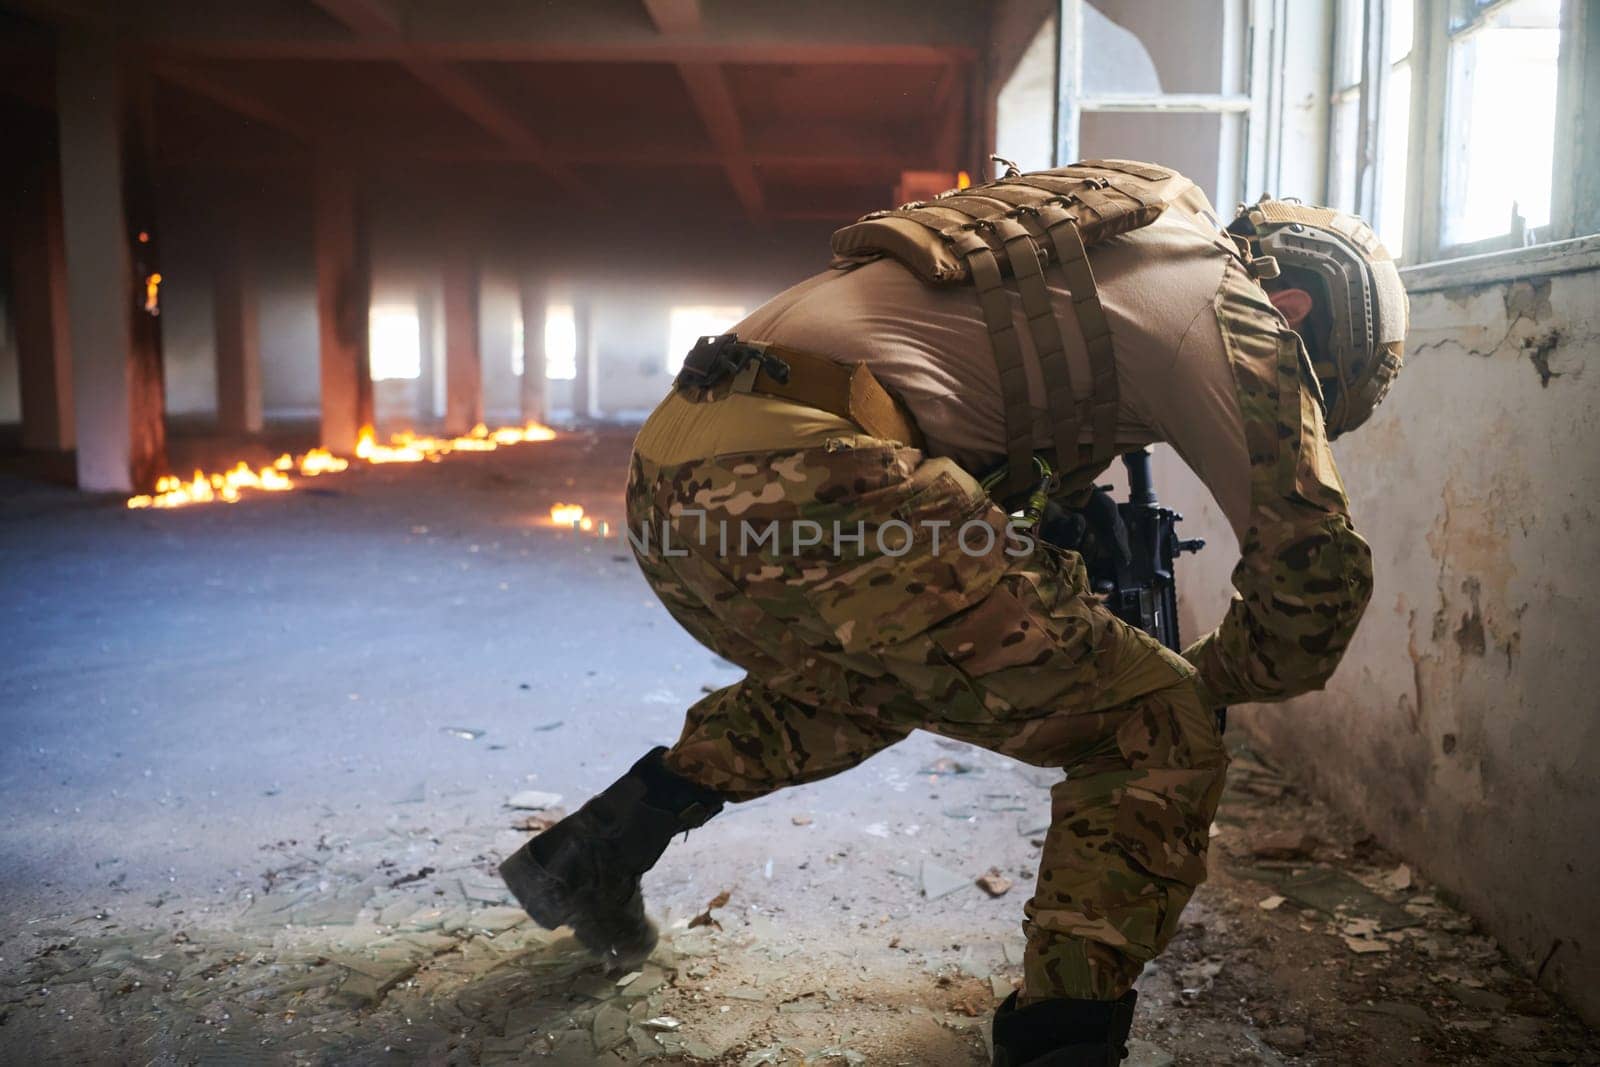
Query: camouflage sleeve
[{"x": 1305, "y": 575}]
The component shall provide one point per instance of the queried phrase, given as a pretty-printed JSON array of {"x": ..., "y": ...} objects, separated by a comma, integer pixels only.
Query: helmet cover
[{"x": 1361, "y": 290}]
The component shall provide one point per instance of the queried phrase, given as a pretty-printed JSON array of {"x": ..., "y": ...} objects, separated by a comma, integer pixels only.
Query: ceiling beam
[
  {"x": 373, "y": 20},
  {"x": 707, "y": 84},
  {"x": 754, "y": 52},
  {"x": 884, "y": 167},
  {"x": 203, "y": 84}
]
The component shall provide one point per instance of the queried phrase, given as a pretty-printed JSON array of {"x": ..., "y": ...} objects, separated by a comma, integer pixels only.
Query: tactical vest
[{"x": 1019, "y": 226}]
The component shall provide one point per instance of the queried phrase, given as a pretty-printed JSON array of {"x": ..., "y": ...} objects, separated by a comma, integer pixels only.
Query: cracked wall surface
[{"x": 1463, "y": 726}]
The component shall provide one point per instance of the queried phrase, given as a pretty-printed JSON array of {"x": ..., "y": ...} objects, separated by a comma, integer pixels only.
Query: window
[
  {"x": 1394, "y": 113},
  {"x": 1025, "y": 107},
  {"x": 1345, "y": 153},
  {"x": 688, "y": 324},
  {"x": 1443, "y": 118},
  {"x": 1165, "y": 82},
  {"x": 1369, "y": 113},
  {"x": 395, "y": 342},
  {"x": 1500, "y": 119},
  {"x": 560, "y": 343}
]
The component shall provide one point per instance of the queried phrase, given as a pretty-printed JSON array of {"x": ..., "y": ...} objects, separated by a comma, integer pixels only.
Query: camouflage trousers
[{"x": 879, "y": 607}]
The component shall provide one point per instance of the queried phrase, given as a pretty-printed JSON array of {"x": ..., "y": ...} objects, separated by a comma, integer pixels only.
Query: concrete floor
[{"x": 255, "y": 773}]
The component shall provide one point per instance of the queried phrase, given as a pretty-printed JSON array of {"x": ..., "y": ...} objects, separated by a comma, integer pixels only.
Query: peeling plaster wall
[{"x": 1463, "y": 727}]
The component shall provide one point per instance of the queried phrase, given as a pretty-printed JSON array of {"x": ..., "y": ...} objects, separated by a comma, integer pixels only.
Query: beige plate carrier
[{"x": 1021, "y": 225}]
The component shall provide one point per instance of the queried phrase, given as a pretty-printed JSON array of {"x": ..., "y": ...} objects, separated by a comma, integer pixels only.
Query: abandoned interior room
[{"x": 329, "y": 333}]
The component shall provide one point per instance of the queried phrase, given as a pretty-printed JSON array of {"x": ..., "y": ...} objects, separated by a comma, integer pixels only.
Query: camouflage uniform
[
  {"x": 1304, "y": 575},
  {"x": 852, "y": 643}
]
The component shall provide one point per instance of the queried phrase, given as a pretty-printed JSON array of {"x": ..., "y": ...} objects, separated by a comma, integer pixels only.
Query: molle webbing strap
[
  {"x": 1128, "y": 166},
  {"x": 1045, "y": 329},
  {"x": 996, "y": 304},
  {"x": 1022, "y": 225},
  {"x": 1097, "y": 344}
]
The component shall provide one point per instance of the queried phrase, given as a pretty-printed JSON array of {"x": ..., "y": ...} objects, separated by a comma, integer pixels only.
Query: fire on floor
[{"x": 404, "y": 447}]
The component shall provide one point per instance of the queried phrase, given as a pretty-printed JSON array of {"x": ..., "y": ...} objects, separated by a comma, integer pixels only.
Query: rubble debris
[
  {"x": 465, "y": 733},
  {"x": 1410, "y": 1013},
  {"x": 1333, "y": 892},
  {"x": 415, "y": 876},
  {"x": 610, "y": 1027},
  {"x": 1399, "y": 879},
  {"x": 994, "y": 883},
  {"x": 1142, "y": 1053},
  {"x": 1285, "y": 845},
  {"x": 801, "y": 820},
  {"x": 767, "y": 1054},
  {"x": 945, "y": 767},
  {"x": 938, "y": 882},
  {"x": 538, "y": 822},
  {"x": 716, "y": 902},
  {"x": 1290, "y": 1040},
  {"x": 440, "y": 970},
  {"x": 367, "y": 987},
  {"x": 533, "y": 800},
  {"x": 805, "y": 1004},
  {"x": 972, "y": 1005}
]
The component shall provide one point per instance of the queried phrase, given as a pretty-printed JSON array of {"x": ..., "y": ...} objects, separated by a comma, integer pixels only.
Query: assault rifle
[{"x": 1129, "y": 549}]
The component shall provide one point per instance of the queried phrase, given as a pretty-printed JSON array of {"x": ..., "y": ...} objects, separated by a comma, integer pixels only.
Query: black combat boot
[
  {"x": 584, "y": 871},
  {"x": 1063, "y": 1033}
]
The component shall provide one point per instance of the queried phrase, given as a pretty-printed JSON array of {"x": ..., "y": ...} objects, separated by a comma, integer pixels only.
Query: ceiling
[{"x": 752, "y": 111}]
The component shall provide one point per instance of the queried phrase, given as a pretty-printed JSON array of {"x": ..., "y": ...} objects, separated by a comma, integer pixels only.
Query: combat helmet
[{"x": 1360, "y": 288}]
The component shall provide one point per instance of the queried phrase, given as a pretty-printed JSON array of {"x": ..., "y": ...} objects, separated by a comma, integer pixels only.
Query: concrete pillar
[
  {"x": 236, "y": 310},
  {"x": 113, "y": 286},
  {"x": 430, "y": 385},
  {"x": 533, "y": 387},
  {"x": 463, "y": 356},
  {"x": 586, "y": 384},
  {"x": 344, "y": 290},
  {"x": 39, "y": 293}
]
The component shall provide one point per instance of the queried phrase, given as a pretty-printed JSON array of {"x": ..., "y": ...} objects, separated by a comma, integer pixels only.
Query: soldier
[{"x": 888, "y": 419}]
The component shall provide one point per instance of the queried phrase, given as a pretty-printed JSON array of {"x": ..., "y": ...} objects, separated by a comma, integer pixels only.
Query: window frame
[
  {"x": 1254, "y": 104},
  {"x": 1371, "y": 90},
  {"x": 1573, "y": 212},
  {"x": 1575, "y": 179}
]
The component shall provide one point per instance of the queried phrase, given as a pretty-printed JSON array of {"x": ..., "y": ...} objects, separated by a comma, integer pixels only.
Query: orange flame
[
  {"x": 404, "y": 447},
  {"x": 570, "y": 515}
]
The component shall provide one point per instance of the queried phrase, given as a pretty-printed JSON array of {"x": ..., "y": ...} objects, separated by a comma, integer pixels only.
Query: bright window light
[
  {"x": 1394, "y": 119},
  {"x": 1396, "y": 122},
  {"x": 560, "y": 343},
  {"x": 688, "y": 324},
  {"x": 1500, "y": 148},
  {"x": 395, "y": 342}
]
